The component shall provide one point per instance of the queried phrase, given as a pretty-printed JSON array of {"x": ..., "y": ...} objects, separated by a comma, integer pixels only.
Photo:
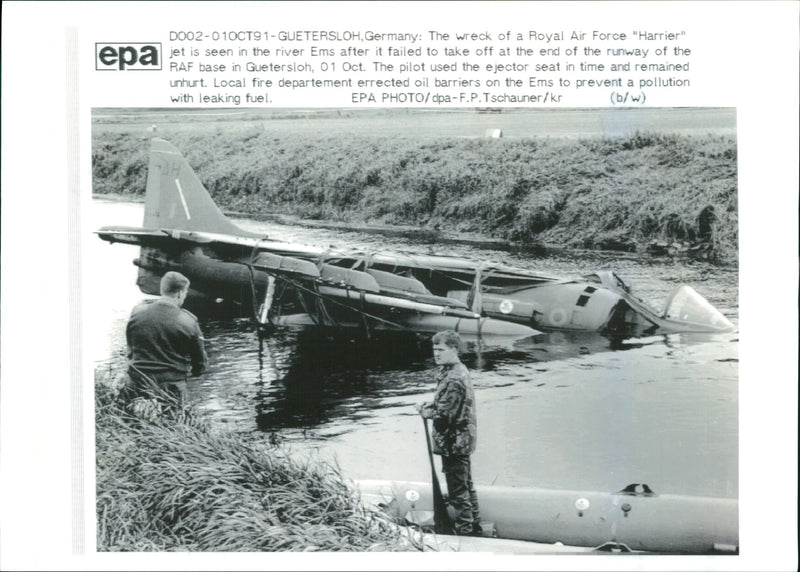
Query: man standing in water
[
  {"x": 454, "y": 430},
  {"x": 165, "y": 344}
]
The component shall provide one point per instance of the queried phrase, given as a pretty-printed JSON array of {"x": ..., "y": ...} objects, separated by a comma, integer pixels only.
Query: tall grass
[
  {"x": 612, "y": 193},
  {"x": 173, "y": 483}
]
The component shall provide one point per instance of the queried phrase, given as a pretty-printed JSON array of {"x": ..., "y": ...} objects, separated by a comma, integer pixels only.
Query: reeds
[{"x": 171, "y": 482}]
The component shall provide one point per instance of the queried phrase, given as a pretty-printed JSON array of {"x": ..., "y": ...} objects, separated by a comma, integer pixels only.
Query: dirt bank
[{"x": 661, "y": 194}]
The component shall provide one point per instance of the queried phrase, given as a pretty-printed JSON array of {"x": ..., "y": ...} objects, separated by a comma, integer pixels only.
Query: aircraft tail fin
[{"x": 175, "y": 197}]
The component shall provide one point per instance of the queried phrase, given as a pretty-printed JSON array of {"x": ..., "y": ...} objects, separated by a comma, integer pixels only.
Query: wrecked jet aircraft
[{"x": 293, "y": 284}]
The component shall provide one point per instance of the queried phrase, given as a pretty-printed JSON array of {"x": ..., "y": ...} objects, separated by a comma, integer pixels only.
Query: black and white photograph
[
  {"x": 399, "y": 285},
  {"x": 584, "y": 261}
]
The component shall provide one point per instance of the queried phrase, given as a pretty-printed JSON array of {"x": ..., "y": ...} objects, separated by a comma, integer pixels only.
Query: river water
[{"x": 560, "y": 410}]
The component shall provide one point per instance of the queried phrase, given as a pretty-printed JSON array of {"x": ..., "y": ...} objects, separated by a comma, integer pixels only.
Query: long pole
[{"x": 441, "y": 518}]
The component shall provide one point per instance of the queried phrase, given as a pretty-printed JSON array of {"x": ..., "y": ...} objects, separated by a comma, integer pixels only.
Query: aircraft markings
[{"x": 183, "y": 200}]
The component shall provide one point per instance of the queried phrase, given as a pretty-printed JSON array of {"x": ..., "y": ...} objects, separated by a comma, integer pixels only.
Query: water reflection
[
  {"x": 329, "y": 378},
  {"x": 297, "y": 380},
  {"x": 301, "y": 379}
]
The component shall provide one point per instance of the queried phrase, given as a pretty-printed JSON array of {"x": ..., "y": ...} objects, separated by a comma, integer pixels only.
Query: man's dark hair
[
  {"x": 172, "y": 283},
  {"x": 448, "y": 338}
]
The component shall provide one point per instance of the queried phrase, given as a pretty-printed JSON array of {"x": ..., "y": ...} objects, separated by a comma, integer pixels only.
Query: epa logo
[{"x": 127, "y": 57}]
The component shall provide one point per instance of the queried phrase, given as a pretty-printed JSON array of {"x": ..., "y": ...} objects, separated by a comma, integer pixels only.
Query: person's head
[
  {"x": 175, "y": 285},
  {"x": 445, "y": 347}
]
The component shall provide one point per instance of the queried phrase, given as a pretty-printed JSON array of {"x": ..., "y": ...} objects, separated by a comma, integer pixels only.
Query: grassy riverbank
[
  {"x": 180, "y": 485},
  {"x": 619, "y": 193}
]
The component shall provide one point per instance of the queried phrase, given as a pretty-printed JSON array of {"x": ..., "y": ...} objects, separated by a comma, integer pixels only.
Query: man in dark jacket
[
  {"x": 454, "y": 430},
  {"x": 165, "y": 344}
]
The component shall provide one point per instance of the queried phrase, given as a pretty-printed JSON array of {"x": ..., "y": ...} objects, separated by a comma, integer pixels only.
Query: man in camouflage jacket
[{"x": 454, "y": 430}]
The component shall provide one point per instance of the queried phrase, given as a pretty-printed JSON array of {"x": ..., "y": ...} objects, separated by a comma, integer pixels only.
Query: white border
[{"x": 756, "y": 48}]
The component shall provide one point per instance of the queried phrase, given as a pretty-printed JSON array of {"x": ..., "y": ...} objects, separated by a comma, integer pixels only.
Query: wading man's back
[{"x": 165, "y": 343}]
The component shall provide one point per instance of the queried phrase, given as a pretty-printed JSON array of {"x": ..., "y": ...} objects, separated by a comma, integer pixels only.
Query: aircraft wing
[
  {"x": 132, "y": 235},
  {"x": 232, "y": 244}
]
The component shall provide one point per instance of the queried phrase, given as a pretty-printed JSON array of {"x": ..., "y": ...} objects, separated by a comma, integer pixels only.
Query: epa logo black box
[{"x": 127, "y": 56}]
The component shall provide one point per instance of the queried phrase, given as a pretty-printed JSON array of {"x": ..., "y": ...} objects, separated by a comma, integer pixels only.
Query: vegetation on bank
[
  {"x": 621, "y": 193},
  {"x": 173, "y": 483}
]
